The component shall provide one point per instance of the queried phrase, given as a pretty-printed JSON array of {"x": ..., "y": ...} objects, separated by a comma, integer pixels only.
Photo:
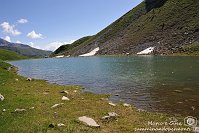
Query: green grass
[
  {"x": 9, "y": 55},
  {"x": 26, "y": 94}
]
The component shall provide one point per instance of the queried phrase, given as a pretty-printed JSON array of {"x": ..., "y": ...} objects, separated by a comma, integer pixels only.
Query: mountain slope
[
  {"x": 24, "y": 50},
  {"x": 167, "y": 25},
  {"x": 66, "y": 49},
  {"x": 10, "y": 55}
]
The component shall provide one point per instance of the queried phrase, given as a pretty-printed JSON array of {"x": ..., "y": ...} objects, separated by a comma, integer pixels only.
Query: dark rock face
[{"x": 150, "y": 4}]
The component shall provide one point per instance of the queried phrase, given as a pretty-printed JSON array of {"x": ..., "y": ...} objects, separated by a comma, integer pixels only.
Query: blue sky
[{"x": 47, "y": 24}]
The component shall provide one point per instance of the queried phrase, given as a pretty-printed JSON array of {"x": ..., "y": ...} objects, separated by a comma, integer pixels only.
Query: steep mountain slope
[
  {"x": 171, "y": 26},
  {"x": 22, "y": 49},
  {"x": 10, "y": 55},
  {"x": 65, "y": 49}
]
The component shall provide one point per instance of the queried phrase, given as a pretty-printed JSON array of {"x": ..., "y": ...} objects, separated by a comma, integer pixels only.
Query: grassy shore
[{"x": 37, "y": 97}]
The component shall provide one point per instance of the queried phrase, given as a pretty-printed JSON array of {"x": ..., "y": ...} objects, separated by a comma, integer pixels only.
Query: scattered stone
[
  {"x": 113, "y": 114},
  {"x": 57, "y": 105},
  {"x": 193, "y": 108},
  {"x": 61, "y": 125},
  {"x": 110, "y": 116},
  {"x": 45, "y": 93},
  {"x": 88, "y": 121},
  {"x": 126, "y": 105},
  {"x": 51, "y": 126},
  {"x": 1, "y": 97},
  {"x": 20, "y": 110},
  {"x": 4, "y": 110},
  {"x": 29, "y": 79},
  {"x": 65, "y": 92},
  {"x": 64, "y": 98},
  {"x": 75, "y": 91},
  {"x": 180, "y": 102},
  {"x": 32, "y": 108},
  {"x": 112, "y": 104},
  {"x": 16, "y": 79},
  {"x": 178, "y": 91},
  {"x": 106, "y": 117},
  {"x": 187, "y": 89}
]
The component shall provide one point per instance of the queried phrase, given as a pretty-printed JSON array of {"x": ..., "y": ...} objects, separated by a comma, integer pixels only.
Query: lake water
[{"x": 153, "y": 83}]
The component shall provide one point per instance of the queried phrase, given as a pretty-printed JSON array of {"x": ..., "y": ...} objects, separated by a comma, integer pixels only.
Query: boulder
[
  {"x": 1, "y": 97},
  {"x": 57, "y": 105},
  {"x": 88, "y": 121},
  {"x": 4, "y": 110},
  {"x": 64, "y": 98}
]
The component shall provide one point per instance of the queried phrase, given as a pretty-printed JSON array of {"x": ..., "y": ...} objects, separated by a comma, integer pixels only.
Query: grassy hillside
[
  {"x": 65, "y": 49},
  {"x": 9, "y": 55},
  {"x": 169, "y": 25}
]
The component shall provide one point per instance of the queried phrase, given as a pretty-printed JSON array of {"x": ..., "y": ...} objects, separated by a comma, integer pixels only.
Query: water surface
[{"x": 161, "y": 84}]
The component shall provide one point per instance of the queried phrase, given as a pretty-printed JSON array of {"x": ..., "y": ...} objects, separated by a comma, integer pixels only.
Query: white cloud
[
  {"x": 34, "y": 35},
  {"x": 22, "y": 21},
  {"x": 18, "y": 42},
  {"x": 31, "y": 44},
  {"x": 54, "y": 45},
  {"x": 7, "y": 38},
  {"x": 10, "y": 29}
]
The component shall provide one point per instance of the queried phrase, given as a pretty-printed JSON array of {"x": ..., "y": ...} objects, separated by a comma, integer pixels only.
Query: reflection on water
[{"x": 163, "y": 84}]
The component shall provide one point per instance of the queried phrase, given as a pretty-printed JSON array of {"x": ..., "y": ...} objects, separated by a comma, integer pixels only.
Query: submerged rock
[
  {"x": 88, "y": 121},
  {"x": 116, "y": 94},
  {"x": 64, "y": 98},
  {"x": 57, "y": 105},
  {"x": 1, "y": 97}
]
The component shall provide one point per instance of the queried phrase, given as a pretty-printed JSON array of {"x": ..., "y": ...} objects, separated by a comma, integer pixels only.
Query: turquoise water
[{"x": 161, "y": 84}]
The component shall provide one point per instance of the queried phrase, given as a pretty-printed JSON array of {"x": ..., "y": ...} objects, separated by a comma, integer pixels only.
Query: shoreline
[{"x": 42, "y": 95}]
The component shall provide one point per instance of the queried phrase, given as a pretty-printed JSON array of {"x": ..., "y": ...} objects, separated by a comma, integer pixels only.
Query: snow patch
[
  {"x": 146, "y": 51},
  {"x": 93, "y": 52},
  {"x": 59, "y": 56}
]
